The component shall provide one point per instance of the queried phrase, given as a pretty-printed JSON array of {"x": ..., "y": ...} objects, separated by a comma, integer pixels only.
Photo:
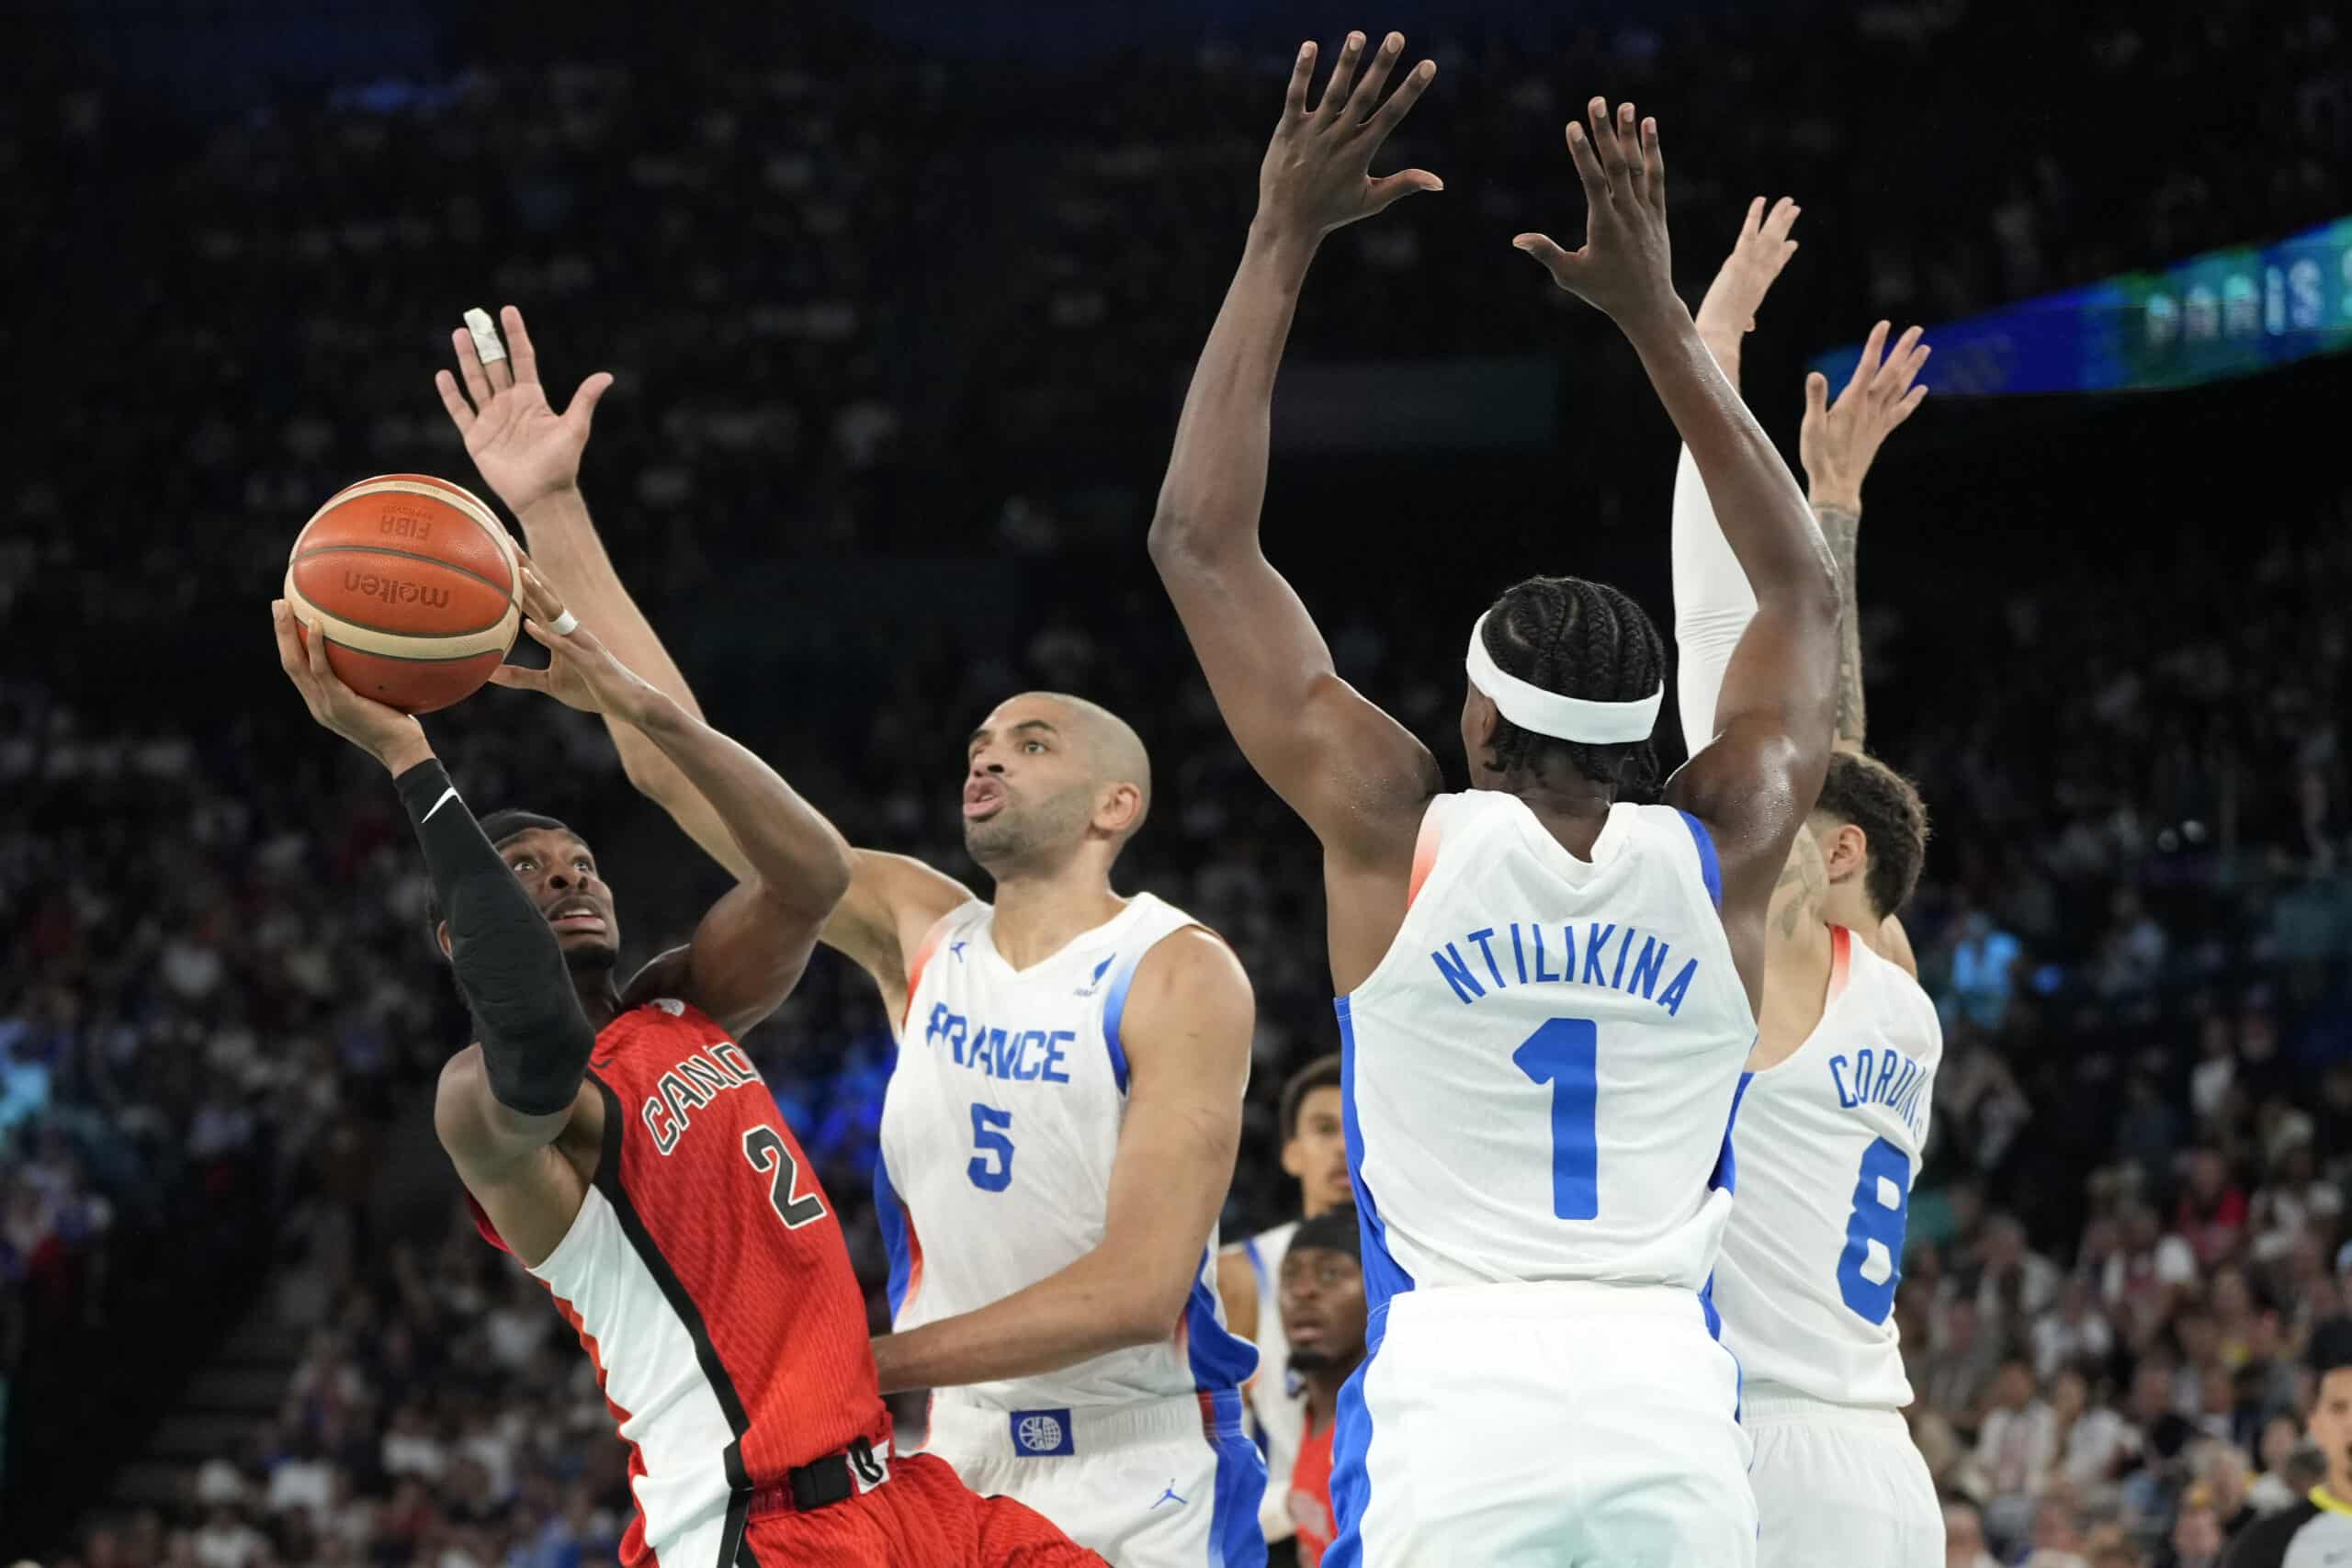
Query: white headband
[{"x": 1529, "y": 706}]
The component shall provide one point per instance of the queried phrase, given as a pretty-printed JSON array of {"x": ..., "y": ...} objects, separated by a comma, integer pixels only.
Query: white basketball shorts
[
  {"x": 1837, "y": 1486},
  {"x": 1513, "y": 1426},
  {"x": 1167, "y": 1484}
]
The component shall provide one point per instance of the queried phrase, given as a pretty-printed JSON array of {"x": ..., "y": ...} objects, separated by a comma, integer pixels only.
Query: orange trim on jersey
[
  {"x": 1424, "y": 854},
  {"x": 914, "y": 1255},
  {"x": 1841, "y": 954},
  {"x": 923, "y": 950}
]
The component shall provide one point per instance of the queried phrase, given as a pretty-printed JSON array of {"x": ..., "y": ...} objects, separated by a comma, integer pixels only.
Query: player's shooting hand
[
  {"x": 1318, "y": 171},
  {"x": 1756, "y": 257},
  {"x": 392, "y": 737},
  {"x": 1837, "y": 441},
  {"x": 1625, "y": 266},
  {"x": 581, "y": 672},
  {"x": 526, "y": 451}
]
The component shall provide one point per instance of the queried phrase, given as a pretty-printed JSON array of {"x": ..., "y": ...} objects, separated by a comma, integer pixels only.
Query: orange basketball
[{"x": 414, "y": 581}]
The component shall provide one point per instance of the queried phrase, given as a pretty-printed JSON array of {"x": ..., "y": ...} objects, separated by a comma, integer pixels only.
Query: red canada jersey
[{"x": 706, "y": 1277}]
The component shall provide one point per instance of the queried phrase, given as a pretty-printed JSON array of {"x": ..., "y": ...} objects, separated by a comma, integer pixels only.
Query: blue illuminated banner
[{"x": 2228, "y": 312}]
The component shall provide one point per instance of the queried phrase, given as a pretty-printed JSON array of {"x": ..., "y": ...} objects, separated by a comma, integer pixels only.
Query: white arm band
[{"x": 1712, "y": 604}]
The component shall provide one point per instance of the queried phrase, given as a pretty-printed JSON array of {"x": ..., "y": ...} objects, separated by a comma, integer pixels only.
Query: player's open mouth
[
  {"x": 982, "y": 802},
  {"x": 575, "y": 917}
]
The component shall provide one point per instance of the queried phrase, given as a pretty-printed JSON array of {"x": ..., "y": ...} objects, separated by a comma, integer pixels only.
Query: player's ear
[
  {"x": 1294, "y": 1159},
  {"x": 441, "y": 935},
  {"x": 1846, "y": 851},
  {"x": 1480, "y": 717},
  {"x": 1120, "y": 810}
]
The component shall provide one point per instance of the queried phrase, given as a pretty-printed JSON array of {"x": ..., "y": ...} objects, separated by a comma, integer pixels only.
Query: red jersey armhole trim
[
  {"x": 1841, "y": 955},
  {"x": 1424, "y": 854}
]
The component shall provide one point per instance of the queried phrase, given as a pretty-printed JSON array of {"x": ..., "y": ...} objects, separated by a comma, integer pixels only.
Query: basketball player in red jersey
[
  {"x": 1061, "y": 1305},
  {"x": 621, "y": 1145}
]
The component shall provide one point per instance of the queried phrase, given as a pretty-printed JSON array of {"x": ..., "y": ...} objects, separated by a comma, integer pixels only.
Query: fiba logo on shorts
[{"x": 1037, "y": 1432}]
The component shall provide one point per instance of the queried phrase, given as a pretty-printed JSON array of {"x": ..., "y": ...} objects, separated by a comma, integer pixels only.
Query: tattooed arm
[
  {"x": 1836, "y": 444},
  {"x": 1842, "y": 527}
]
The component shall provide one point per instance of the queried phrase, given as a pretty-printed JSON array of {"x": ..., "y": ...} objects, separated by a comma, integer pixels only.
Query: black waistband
[{"x": 822, "y": 1482}]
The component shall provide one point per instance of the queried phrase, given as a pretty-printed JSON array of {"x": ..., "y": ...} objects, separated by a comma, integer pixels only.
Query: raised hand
[
  {"x": 524, "y": 450},
  {"x": 1317, "y": 173},
  {"x": 1624, "y": 267},
  {"x": 1763, "y": 248},
  {"x": 581, "y": 672},
  {"x": 1837, "y": 441},
  {"x": 392, "y": 737}
]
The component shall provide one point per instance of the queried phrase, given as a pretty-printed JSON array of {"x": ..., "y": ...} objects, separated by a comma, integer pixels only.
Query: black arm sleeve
[{"x": 535, "y": 1037}]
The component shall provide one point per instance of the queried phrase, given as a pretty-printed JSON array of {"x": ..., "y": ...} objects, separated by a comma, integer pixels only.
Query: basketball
[{"x": 413, "y": 581}]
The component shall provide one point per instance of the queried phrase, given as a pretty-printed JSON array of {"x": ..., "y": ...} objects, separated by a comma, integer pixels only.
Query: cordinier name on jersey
[
  {"x": 691, "y": 1085},
  {"x": 1025, "y": 1056},
  {"x": 1883, "y": 1077},
  {"x": 1527, "y": 953}
]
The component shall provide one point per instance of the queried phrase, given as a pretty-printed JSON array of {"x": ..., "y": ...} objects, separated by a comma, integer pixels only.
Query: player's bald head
[{"x": 1114, "y": 752}]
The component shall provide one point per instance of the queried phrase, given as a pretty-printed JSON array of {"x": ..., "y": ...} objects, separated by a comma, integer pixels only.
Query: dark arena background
[{"x": 902, "y": 300}]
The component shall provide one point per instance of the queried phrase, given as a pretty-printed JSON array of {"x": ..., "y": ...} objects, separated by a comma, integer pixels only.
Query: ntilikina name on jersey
[{"x": 1611, "y": 961}]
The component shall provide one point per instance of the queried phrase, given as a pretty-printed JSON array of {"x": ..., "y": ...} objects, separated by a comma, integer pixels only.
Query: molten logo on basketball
[{"x": 392, "y": 590}]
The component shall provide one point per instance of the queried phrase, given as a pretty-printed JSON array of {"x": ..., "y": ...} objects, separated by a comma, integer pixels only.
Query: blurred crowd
[{"x": 862, "y": 294}]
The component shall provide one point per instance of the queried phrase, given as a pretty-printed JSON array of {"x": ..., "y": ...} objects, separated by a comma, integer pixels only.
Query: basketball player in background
[
  {"x": 1248, "y": 1274},
  {"x": 1323, "y": 1326},
  {"x": 620, "y": 1144},
  {"x": 2317, "y": 1530},
  {"x": 1060, "y": 1126},
  {"x": 1548, "y": 991},
  {"x": 1836, "y": 1114}
]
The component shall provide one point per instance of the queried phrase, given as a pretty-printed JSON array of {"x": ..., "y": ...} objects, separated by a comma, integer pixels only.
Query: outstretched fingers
[
  {"x": 1400, "y": 102},
  {"x": 461, "y": 413},
  {"x": 1588, "y": 171},
  {"x": 1302, "y": 73},
  {"x": 1902, "y": 364},
  {"x": 1606, "y": 155},
  {"x": 469, "y": 368},
  {"x": 518, "y": 346},
  {"x": 1335, "y": 91},
  {"x": 1653, "y": 165},
  {"x": 1874, "y": 352},
  {"x": 1367, "y": 96},
  {"x": 1782, "y": 219}
]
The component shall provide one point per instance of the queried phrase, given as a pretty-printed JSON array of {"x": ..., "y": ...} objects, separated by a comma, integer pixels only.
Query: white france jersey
[
  {"x": 998, "y": 1130},
  {"x": 1277, "y": 1399},
  {"x": 1829, "y": 1140},
  {"x": 1539, "y": 1075}
]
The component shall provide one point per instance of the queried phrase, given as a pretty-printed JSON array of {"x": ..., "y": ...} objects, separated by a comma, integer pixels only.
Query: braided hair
[{"x": 1581, "y": 639}]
